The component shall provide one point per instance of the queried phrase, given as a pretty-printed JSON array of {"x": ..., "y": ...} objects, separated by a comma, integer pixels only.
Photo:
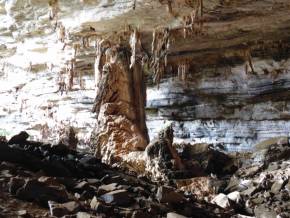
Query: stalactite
[
  {"x": 85, "y": 41},
  {"x": 61, "y": 82},
  {"x": 160, "y": 47},
  {"x": 182, "y": 71},
  {"x": 249, "y": 57},
  {"x": 97, "y": 65},
  {"x": 53, "y": 9},
  {"x": 70, "y": 71},
  {"x": 193, "y": 23},
  {"x": 199, "y": 8},
  {"x": 134, "y": 44},
  {"x": 61, "y": 32},
  {"x": 246, "y": 53},
  {"x": 153, "y": 44},
  {"x": 76, "y": 48},
  {"x": 134, "y": 4}
]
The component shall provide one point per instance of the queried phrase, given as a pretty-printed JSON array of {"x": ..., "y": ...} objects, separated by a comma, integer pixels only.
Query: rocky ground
[
  {"x": 61, "y": 182},
  {"x": 44, "y": 180}
]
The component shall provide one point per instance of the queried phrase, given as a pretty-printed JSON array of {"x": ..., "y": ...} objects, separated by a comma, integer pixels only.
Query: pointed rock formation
[{"x": 119, "y": 105}]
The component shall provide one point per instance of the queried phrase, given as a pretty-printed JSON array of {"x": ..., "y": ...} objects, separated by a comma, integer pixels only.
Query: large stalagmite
[{"x": 119, "y": 105}]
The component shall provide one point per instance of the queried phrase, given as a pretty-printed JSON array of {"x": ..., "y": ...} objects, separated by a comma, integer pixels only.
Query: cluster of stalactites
[
  {"x": 193, "y": 23},
  {"x": 106, "y": 52},
  {"x": 160, "y": 48}
]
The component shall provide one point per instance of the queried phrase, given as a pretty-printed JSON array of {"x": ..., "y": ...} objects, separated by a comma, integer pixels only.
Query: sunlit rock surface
[
  {"x": 218, "y": 104},
  {"x": 220, "y": 107}
]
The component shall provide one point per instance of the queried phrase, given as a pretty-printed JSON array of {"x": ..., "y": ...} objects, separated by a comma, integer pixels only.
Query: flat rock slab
[{"x": 118, "y": 197}]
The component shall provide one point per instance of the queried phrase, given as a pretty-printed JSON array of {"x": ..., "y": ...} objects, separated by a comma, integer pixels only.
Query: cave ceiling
[{"x": 229, "y": 27}]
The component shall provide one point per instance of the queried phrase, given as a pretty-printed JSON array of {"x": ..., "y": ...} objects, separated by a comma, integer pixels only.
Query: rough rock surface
[
  {"x": 260, "y": 188},
  {"x": 215, "y": 54},
  {"x": 121, "y": 126},
  {"x": 89, "y": 188}
]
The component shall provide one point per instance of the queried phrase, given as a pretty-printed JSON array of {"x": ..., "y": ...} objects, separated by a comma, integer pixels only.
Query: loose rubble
[
  {"x": 190, "y": 181},
  {"x": 60, "y": 182}
]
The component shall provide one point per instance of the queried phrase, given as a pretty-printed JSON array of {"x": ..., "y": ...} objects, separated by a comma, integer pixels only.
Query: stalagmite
[{"x": 119, "y": 104}]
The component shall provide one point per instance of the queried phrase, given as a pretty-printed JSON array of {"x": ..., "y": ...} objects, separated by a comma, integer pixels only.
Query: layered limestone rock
[
  {"x": 224, "y": 106},
  {"x": 228, "y": 90}
]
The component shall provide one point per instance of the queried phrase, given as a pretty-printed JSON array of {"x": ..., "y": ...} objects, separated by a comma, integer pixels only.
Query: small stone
[
  {"x": 262, "y": 212},
  {"x": 250, "y": 191},
  {"x": 251, "y": 171},
  {"x": 222, "y": 200},
  {"x": 140, "y": 214},
  {"x": 48, "y": 180},
  {"x": 59, "y": 210},
  {"x": 273, "y": 166},
  {"x": 15, "y": 184},
  {"x": 168, "y": 195},
  {"x": 235, "y": 197},
  {"x": 174, "y": 215},
  {"x": 241, "y": 216},
  {"x": 23, "y": 213},
  {"x": 234, "y": 185},
  {"x": 93, "y": 181},
  {"x": 258, "y": 200},
  {"x": 82, "y": 185},
  {"x": 103, "y": 189},
  {"x": 6, "y": 174},
  {"x": 83, "y": 215},
  {"x": 267, "y": 195},
  {"x": 118, "y": 197},
  {"x": 94, "y": 203},
  {"x": 277, "y": 186}
]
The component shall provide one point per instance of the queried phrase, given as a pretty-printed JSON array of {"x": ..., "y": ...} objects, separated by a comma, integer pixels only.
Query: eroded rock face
[{"x": 119, "y": 106}]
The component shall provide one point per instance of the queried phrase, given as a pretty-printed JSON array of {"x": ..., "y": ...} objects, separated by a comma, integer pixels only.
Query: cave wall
[
  {"x": 216, "y": 104},
  {"x": 224, "y": 105}
]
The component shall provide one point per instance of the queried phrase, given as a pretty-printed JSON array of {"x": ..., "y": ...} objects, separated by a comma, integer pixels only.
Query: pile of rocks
[
  {"x": 261, "y": 187},
  {"x": 61, "y": 182},
  {"x": 249, "y": 184},
  {"x": 196, "y": 181}
]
